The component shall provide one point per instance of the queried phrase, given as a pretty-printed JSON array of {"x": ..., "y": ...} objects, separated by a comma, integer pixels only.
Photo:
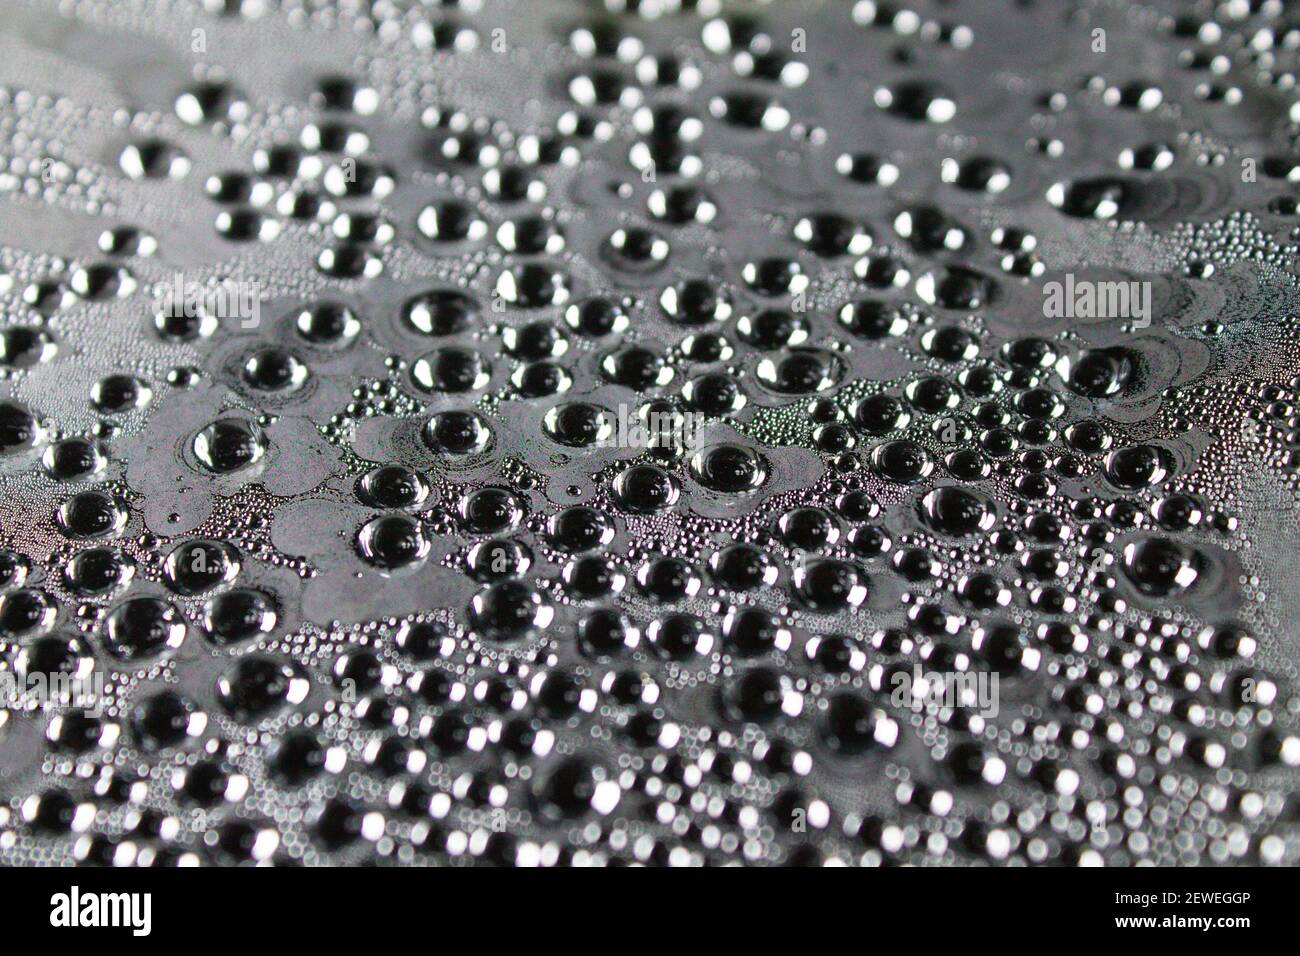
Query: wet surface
[{"x": 537, "y": 433}]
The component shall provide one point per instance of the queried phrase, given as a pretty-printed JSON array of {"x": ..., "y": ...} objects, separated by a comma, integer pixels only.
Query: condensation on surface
[{"x": 550, "y": 433}]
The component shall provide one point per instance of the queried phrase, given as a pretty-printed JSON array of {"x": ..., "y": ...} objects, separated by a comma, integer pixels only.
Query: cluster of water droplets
[{"x": 629, "y": 403}]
